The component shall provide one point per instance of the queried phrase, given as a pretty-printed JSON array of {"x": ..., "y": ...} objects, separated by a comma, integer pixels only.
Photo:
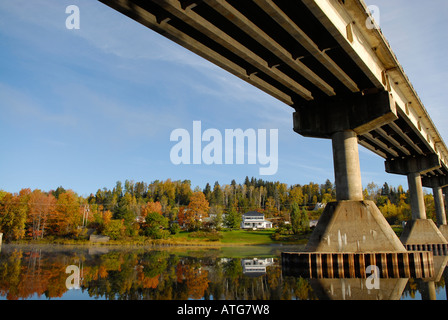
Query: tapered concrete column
[
  {"x": 439, "y": 205},
  {"x": 349, "y": 224},
  {"x": 416, "y": 193},
  {"x": 347, "y": 170},
  {"x": 445, "y": 190},
  {"x": 413, "y": 167}
]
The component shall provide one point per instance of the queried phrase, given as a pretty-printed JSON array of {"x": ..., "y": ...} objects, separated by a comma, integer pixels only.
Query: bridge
[{"x": 330, "y": 62}]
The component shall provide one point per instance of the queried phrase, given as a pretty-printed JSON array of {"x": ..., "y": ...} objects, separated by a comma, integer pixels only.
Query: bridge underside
[
  {"x": 341, "y": 77},
  {"x": 290, "y": 50}
]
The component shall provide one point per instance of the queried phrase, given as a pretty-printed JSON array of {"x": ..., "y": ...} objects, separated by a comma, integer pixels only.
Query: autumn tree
[
  {"x": 13, "y": 214},
  {"x": 68, "y": 216},
  {"x": 197, "y": 210},
  {"x": 41, "y": 207},
  {"x": 149, "y": 207},
  {"x": 100, "y": 218},
  {"x": 115, "y": 229}
]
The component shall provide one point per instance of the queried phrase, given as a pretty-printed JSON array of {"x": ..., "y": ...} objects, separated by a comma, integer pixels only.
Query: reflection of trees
[
  {"x": 136, "y": 275},
  {"x": 24, "y": 274},
  {"x": 142, "y": 274},
  {"x": 411, "y": 288}
]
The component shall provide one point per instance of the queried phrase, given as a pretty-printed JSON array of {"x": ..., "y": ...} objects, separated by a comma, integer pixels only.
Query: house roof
[{"x": 253, "y": 214}]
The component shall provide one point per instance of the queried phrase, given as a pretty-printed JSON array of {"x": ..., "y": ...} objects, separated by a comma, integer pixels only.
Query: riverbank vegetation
[{"x": 172, "y": 212}]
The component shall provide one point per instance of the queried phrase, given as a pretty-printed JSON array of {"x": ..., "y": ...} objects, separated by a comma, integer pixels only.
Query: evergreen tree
[
  {"x": 299, "y": 219},
  {"x": 295, "y": 218},
  {"x": 304, "y": 220},
  {"x": 233, "y": 219}
]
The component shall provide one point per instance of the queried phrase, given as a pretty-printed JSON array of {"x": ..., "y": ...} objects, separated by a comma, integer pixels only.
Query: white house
[{"x": 255, "y": 220}]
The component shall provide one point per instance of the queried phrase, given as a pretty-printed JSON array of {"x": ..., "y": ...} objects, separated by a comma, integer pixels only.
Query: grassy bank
[
  {"x": 227, "y": 237},
  {"x": 184, "y": 238}
]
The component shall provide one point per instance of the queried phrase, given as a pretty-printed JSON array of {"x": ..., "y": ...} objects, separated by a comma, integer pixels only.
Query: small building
[{"x": 255, "y": 220}]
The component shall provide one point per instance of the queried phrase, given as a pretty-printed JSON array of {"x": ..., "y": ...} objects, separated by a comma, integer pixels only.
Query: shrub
[
  {"x": 115, "y": 229},
  {"x": 174, "y": 228}
]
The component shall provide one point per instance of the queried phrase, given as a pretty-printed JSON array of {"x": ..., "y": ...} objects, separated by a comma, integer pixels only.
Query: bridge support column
[
  {"x": 444, "y": 227},
  {"x": 351, "y": 224},
  {"x": 439, "y": 184},
  {"x": 439, "y": 206},
  {"x": 420, "y": 231},
  {"x": 418, "y": 209},
  {"x": 445, "y": 192},
  {"x": 347, "y": 170}
]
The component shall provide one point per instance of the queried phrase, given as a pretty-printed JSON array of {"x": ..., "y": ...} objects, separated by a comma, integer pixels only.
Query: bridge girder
[{"x": 301, "y": 51}]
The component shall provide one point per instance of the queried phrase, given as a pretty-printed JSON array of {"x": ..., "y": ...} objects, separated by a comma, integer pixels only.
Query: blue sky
[{"x": 85, "y": 108}]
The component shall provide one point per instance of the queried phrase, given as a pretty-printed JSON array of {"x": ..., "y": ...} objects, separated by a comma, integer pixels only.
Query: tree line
[{"x": 157, "y": 209}]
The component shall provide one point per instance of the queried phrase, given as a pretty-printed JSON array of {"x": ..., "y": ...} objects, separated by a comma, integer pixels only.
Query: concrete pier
[
  {"x": 416, "y": 193},
  {"x": 353, "y": 226},
  {"x": 419, "y": 233},
  {"x": 352, "y": 233},
  {"x": 347, "y": 170},
  {"x": 445, "y": 192},
  {"x": 439, "y": 206},
  {"x": 438, "y": 185},
  {"x": 350, "y": 224},
  {"x": 444, "y": 227}
]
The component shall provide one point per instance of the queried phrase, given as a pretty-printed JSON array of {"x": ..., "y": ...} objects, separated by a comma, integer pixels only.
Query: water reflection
[
  {"x": 256, "y": 267},
  {"x": 137, "y": 274}
]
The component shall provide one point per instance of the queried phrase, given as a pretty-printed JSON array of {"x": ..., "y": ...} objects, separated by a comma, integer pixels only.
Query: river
[{"x": 183, "y": 273}]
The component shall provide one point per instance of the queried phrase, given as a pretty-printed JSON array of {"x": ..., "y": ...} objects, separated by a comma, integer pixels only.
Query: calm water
[{"x": 249, "y": 273}]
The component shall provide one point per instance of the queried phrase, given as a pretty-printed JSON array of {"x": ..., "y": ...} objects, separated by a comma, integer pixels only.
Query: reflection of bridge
[{"x": 328, "y": 60}]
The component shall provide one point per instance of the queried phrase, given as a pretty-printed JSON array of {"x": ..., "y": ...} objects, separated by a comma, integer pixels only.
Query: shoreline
[{"x": 150, "y": 244}]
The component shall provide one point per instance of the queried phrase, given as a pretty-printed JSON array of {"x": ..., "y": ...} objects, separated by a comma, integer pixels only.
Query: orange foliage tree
[
  {"x": 151, "y": 207},
  {"x": 41, "y": 207},
  {"x": 68, "y": 215},
  {"x": 195, "y": 212},
  {"x": 13, "y": 214}
]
